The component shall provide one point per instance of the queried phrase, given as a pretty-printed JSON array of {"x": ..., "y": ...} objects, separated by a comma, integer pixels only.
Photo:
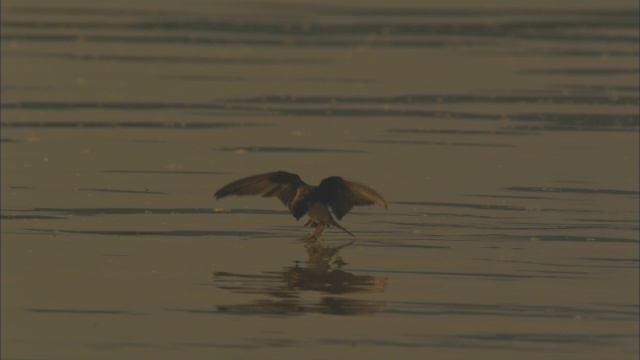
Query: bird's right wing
[
  {"x": 343, "y": 194},
  {"x": 281, "y": 184}
]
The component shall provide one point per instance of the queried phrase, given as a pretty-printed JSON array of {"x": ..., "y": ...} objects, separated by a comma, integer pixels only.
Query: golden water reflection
[{"x": 322, "y": 273}]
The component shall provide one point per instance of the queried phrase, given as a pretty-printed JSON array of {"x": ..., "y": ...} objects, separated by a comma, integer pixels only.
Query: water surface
[{"x": 503, "y": 136}]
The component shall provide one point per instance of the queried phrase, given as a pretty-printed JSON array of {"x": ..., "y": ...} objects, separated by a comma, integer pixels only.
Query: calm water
[{"x": 504, "y": 137}]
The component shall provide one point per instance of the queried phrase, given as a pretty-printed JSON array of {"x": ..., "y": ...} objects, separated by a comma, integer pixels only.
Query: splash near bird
[{"x": 334, "y": 192}]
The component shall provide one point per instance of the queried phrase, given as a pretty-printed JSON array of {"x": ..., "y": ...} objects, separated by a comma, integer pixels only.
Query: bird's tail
[
  {"x": 343, "y": 229},
  {"x": 333, "y": 223}
]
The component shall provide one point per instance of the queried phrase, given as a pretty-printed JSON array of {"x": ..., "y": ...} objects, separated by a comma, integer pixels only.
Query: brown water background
[{"x": 504, "y": 136}]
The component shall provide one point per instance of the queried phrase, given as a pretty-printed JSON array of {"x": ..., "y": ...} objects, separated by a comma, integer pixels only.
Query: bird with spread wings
[{"x": 334, "y": 192}]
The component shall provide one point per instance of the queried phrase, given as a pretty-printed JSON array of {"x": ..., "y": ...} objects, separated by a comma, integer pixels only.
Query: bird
[{"x": 335, "y": 192}]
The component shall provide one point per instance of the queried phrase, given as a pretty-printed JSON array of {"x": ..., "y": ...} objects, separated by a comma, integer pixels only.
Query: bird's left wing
[
  {"x": 343, "y": 194},
  {"x": 281, "y": 184}
]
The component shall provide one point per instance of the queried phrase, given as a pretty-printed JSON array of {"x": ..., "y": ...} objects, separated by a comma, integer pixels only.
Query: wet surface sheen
[{"x": 503, "y": 136}]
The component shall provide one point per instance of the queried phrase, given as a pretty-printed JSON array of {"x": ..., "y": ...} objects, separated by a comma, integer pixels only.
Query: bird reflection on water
[{"x": 322, "y": 273}]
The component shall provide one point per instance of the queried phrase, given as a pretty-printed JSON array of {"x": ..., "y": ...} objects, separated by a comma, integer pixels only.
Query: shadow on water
[
  {"x": 460, "y": 27},
  {"x": 180, "y": 233},
  {"x": 81, "y": 311},
  {"x": 147, "y": 211},
  {"x": 280, "y": 149},
  {"x": 322, "y": 273}
]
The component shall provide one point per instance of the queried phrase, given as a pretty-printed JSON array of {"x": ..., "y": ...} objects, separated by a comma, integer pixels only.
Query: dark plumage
[{"x": 334, "y": 192}]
